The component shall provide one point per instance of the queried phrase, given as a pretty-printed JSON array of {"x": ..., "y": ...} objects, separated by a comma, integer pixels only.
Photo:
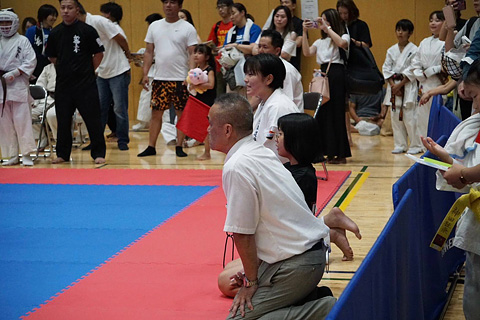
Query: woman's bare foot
[
  {"x": 204, "y": 156},
  {"x": 58, "y": 160},
  {"x": 338, "y": 237},
  {"x": 336, "y": 218},
  {"x": 99, "y": 160}
]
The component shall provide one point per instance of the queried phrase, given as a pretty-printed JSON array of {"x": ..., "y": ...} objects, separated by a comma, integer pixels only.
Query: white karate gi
[
  {"x": 16, "y": 132},
  {"x": 46, "y": 79},
  {"x": 426, "y": 65},
  {"x": 400, "y": 62}
]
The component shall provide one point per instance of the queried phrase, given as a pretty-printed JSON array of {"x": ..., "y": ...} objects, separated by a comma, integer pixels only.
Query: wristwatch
[{"x": 249, "y": 283}]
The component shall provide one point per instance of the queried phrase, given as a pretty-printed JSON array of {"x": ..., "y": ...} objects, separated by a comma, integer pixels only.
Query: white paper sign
[{"x": 309, "y": 9}]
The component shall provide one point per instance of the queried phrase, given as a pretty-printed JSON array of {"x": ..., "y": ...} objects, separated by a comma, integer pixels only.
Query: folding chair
[
  {"x": 40, "y": 93},
  {"x": 310, "y": 103}
]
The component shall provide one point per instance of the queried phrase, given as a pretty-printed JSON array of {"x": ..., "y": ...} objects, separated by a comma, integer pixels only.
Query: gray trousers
[
  {"x": 285, "y": 285},
  {"x": 471, "y": 291}
]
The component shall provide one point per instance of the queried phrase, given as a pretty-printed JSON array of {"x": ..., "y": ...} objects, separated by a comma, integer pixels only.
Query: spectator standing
[
  {"x": 356, "y": 28},
  {"x": 282, "y": 23},
  {"x": 298, "y": 28},
  {"x": 27, "y": 23},
  {"x": 331, "y": 115},
  {"x": 38, "y": 35},
  {"x": 77, "y": 51},
  {"x": 144, "y": 113},
  {"x": 171, "y": 41},
  {"x": 114, "y": 72},
  {"x": 217, "y": 36},
  {"x": 242, "y": 36}
]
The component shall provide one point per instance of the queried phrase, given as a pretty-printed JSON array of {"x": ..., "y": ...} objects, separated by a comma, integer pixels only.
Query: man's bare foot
[
  {"x": 338, "y": 237},
  {"x": 336, "y": 218},
  {"x": 99, "y": 160},
  {"x": 205, "y": 156},
  {"x": 58, "y": 160}
]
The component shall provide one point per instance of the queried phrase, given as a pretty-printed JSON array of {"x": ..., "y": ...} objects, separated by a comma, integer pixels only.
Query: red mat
[{"x": 171, "y": 272}]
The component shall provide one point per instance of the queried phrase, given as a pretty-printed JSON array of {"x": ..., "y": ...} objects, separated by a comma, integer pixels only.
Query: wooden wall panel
[{"x": 381, "y": 16}]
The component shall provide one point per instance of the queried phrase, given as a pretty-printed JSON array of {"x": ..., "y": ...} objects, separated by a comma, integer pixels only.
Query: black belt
[{"x": 4, "y": 87}]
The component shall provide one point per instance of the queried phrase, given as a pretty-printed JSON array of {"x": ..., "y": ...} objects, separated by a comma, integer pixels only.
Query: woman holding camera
[{"x": 331, "y": 115}]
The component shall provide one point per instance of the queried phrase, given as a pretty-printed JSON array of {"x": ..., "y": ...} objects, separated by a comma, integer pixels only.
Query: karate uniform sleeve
[
  {"x": 387, "y": 67},
  {"x": 29, "y": 60},
  {"x": 417, "y": 67}
]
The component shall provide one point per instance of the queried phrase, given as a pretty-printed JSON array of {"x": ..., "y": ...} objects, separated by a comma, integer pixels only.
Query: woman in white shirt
[
  {"x": 331, "y": 115},
  {"x": 282, "y": 22},
  {"x": 264, "y": 76}
]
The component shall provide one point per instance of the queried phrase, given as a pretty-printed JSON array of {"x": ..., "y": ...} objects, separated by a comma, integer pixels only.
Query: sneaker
[
  {"x": 122, "y": 146},
  {"x": 414, "y": 151},
  {"x": 27, "y": 160},
  {"x": 139, "y": 126},
  {"x": 11, "y": 162},
  {"x": 397, "y": 151}
]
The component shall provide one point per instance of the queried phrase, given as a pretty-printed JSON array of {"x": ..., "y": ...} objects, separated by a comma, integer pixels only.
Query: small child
[
  {"x": 402, "y": 90},
  {"x": 204, "y": 59},
  {"x": 427, "y": 68},
  {"x": 17, "y": 60}
]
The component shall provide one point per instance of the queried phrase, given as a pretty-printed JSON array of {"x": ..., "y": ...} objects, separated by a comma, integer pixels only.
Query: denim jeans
[{"x": 115, "y": 90}]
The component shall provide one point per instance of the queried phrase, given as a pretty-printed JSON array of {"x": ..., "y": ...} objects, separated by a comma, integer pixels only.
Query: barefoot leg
[
  {"x": 338, "y": 237},
  {"x": 337, "y": 219}
]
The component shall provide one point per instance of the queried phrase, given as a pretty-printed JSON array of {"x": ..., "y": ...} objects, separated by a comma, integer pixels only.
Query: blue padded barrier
[
  {"x": 385, "y": 285},
  {"x": 442, "y": 121},
  {"x": 402, "y": 277}
]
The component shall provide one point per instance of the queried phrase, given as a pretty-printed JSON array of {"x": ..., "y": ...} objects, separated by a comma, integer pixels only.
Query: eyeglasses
[{"x": 222, "y": 6}]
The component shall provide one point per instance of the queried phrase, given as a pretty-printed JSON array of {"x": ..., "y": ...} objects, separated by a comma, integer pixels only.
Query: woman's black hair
[
  {"x": 405, "y": 25},
  {"x": 153, "y": 17},
  {"x": 265, "y": 64},
  {"x": 335, "y": 22},
  {"x": 289, "y": 26},
  {"x": 438, "y": 13},
  {"x": 206, "y": 50},
  {"x": 25, "y": 21},
  {"x": 188, "y": 15},
  {"x": 353, "y": 12},
  {"x": 46, "y": 10},
  {"x": 301, "y": 137}
]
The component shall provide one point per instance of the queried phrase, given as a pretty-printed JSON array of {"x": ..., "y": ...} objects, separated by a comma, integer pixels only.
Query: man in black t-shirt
[
  {"x": 76, "y": 50},
  {"x": 298, "y": 28}
]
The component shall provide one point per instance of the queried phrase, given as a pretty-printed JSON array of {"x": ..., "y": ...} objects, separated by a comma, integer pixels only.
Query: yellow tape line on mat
[{"x": 354, "y": 190}]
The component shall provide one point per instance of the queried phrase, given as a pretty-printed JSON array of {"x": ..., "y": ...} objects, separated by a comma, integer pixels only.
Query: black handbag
[{"x": 362, "y": 74}]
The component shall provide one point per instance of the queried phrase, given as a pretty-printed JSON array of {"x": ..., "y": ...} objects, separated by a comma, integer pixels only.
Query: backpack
[{"x": 362, "y": 74}]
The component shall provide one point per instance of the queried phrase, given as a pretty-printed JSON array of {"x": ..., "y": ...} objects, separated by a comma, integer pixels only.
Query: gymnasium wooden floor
[{"x": 370, "y": 208}]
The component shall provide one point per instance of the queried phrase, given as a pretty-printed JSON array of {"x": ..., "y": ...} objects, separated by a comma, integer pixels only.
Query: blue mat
[{"x": 52, "y": 235}]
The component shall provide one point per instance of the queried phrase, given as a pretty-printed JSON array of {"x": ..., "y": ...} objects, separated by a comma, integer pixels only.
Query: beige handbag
[{"x": 320, "y": 84}]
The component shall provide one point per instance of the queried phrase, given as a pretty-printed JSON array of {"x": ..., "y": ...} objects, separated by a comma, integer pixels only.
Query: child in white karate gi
[
  {"x": 427, "y": 68},
  {"x": 402, "y": 85},
  {"x": 17, "y": 61}
]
